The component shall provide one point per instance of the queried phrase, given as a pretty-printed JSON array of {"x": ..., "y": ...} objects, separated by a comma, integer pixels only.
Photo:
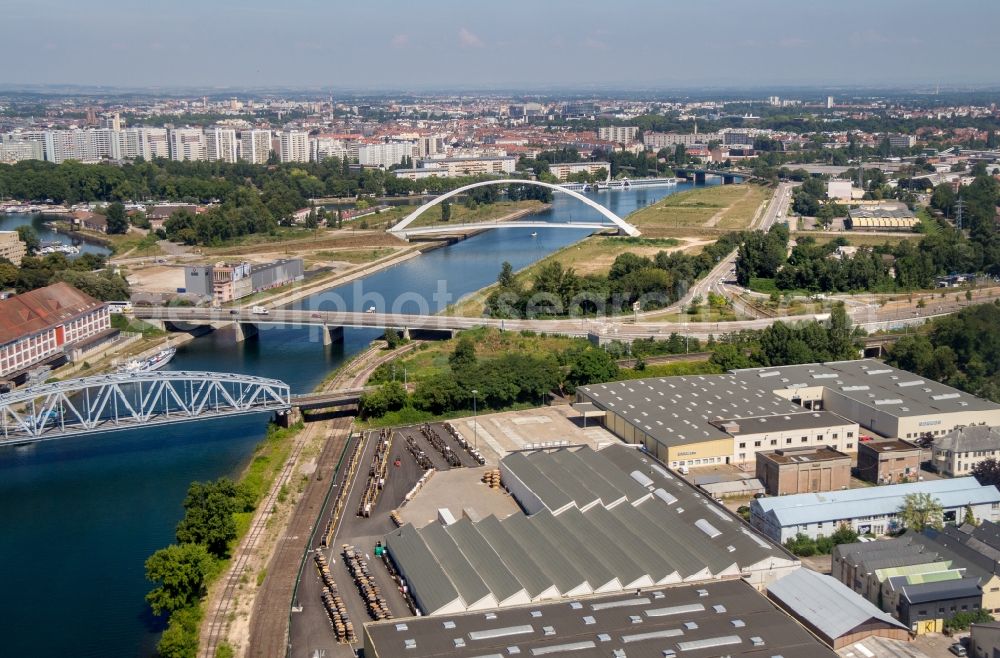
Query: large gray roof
[
  {"x": 680, "y": 410},
  {"x": 463, "y": 575},
  {"x": 563, "y": 573},
  {"x": 662, "y": 533},
  {"x": 570, "y": 546},
  {"x": 873, "y": 384},
  {"x": 485, "y": 560},
  {"x": 515, "y": 556},
  {"x": 942, "y": 590},
  {"x": 432, "y": 587},
  {"x": 826, "y": 604},
  {"x": 699, "y": 617}
]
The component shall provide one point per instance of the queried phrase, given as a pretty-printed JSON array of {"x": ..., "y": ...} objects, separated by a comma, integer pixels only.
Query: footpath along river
[{"x": 81, "y": 515}]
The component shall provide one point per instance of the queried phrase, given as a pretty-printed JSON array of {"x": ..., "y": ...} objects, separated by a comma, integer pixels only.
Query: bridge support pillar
[
  {"x": 159, "y": 324},
  {"x": 728, "y": 180},
  {"x": 333, "y": 335},
  {"x": 406, "y": 333},
  {"x": 699, "y": 177},
  {"x": 245, "y": 330},
  {"x": 287, "y": 417}
]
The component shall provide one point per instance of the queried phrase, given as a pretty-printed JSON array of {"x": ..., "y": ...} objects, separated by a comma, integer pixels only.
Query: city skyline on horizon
[{"x": 450, "y": 45}]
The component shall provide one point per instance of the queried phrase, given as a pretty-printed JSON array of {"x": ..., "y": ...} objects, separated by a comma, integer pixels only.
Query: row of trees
[
  {"x": 961, "y": 350},
  {"x": 183, "y": 570},
  {"x": 783, "y": 344},
  {"x": 557, "y": 290},
  {"x": 907, "y": 265},
  {"x": 523, "y": 376},
  {"x": 86, "y": 273},
  {"x": 514, "y": 377}
]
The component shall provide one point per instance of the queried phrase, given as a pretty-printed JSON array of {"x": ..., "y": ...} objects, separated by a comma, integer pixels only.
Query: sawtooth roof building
[
  {"x": 595, "y": 522},
  {"x": 694, "y": 621}
]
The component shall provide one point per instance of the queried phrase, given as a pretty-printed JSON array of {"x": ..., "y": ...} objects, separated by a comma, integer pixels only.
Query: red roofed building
[{"x": 42, "y": 323}]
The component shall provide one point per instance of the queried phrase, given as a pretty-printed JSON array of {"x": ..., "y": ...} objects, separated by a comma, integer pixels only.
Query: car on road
[
  {"x": 314, "y": 315},
  {"x": 234, "y": 312},
  {"x": 958, "y": 649}
]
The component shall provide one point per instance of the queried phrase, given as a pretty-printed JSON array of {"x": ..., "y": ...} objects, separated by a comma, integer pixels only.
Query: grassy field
[
  {"x": 460, "y": 214},
  {"x": 133, "y": 244},
  {"x": 354, "y": 255},
  {"x": 859, "y": 239},
  {"x": 431, "y": 358},
  {"x": 594, "y": 255},
  {"x": 723, "y": 207}
]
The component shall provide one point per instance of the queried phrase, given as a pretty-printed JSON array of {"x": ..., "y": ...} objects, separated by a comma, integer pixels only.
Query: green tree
[
  {"x": 390, "y": 396},
  {"x": 208, "y": 518},
  {"x": 180, "y": 638},
  {"x": 29, "y": 237},
  {"x": 987, "y": 472},
  {"x": 445, "y": 211},
  {"x": 730, "y": 357},
  {"x": 116, "y": 218},
  {"x": 181, "y": 572},
  {"x": 506, "y": 277},
  {"x": 464, "y": 355},
  {"x": 590, "y": 366},
  {"x": 962, "y": 620},
  {"x": 970, "y": 517},
  {"x": 921, "y": 510}
]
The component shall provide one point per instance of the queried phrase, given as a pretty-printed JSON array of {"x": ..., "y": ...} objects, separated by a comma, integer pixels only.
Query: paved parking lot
[
  {"x": 498, "y": 434},
  {"x": 458, "y": 490}
]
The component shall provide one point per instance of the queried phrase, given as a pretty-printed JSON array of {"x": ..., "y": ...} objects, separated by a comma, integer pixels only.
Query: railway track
[{"x": 269, "y": 618}]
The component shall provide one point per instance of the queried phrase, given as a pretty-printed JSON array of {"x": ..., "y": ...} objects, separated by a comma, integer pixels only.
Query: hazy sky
[{"x": 414, "y": 44}]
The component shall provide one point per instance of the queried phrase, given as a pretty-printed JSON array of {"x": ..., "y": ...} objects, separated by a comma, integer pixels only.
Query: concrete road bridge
[
  {"x": 700, "y": 173},
  {"x": 602, "y": 329},
  {"x": 401, "y": 230}
]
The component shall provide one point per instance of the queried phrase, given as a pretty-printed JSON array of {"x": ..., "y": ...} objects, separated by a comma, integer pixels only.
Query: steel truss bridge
[{"x": 125, "y": 401}]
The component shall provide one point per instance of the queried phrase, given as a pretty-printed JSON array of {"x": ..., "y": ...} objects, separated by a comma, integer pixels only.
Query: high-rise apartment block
[
  {"x": 220, "y": 145},
  {"x": 187, "y": 144},
  {"x": 294, "y": 146},
  {"x": 620, "y": 134},
  {"x": 384, "y": 155},
  {"x": 255, "y": 146}
]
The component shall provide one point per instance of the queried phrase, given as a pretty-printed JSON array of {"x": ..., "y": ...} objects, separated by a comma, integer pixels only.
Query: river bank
[{"x": 126, "y": 487}]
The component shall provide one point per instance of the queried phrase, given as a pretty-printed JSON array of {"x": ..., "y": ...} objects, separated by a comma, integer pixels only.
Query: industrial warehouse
[
  {"x": 869, "y": 510},
  {"x": 721, "y": 419},
  {"x": 696, "y": 621},
  {"x": 596, "y": 522}
]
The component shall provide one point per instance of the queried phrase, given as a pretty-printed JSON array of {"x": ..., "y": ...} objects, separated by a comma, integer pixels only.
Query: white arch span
[{"x": 628, "y": 229}]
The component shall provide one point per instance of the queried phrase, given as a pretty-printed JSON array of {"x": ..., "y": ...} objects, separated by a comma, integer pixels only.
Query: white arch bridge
[
  {"x": 125, "y": 401},
  {"x": 400, "y": 229}
]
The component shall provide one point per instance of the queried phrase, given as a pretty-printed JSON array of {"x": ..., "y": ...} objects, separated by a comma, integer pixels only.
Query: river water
[
  {"x": 49, "y": 235},
  {"x": 81, "y": 515}
]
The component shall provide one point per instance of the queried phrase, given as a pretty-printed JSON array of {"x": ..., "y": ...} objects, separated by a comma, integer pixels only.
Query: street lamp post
[{"x": 475, "y": 419}]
